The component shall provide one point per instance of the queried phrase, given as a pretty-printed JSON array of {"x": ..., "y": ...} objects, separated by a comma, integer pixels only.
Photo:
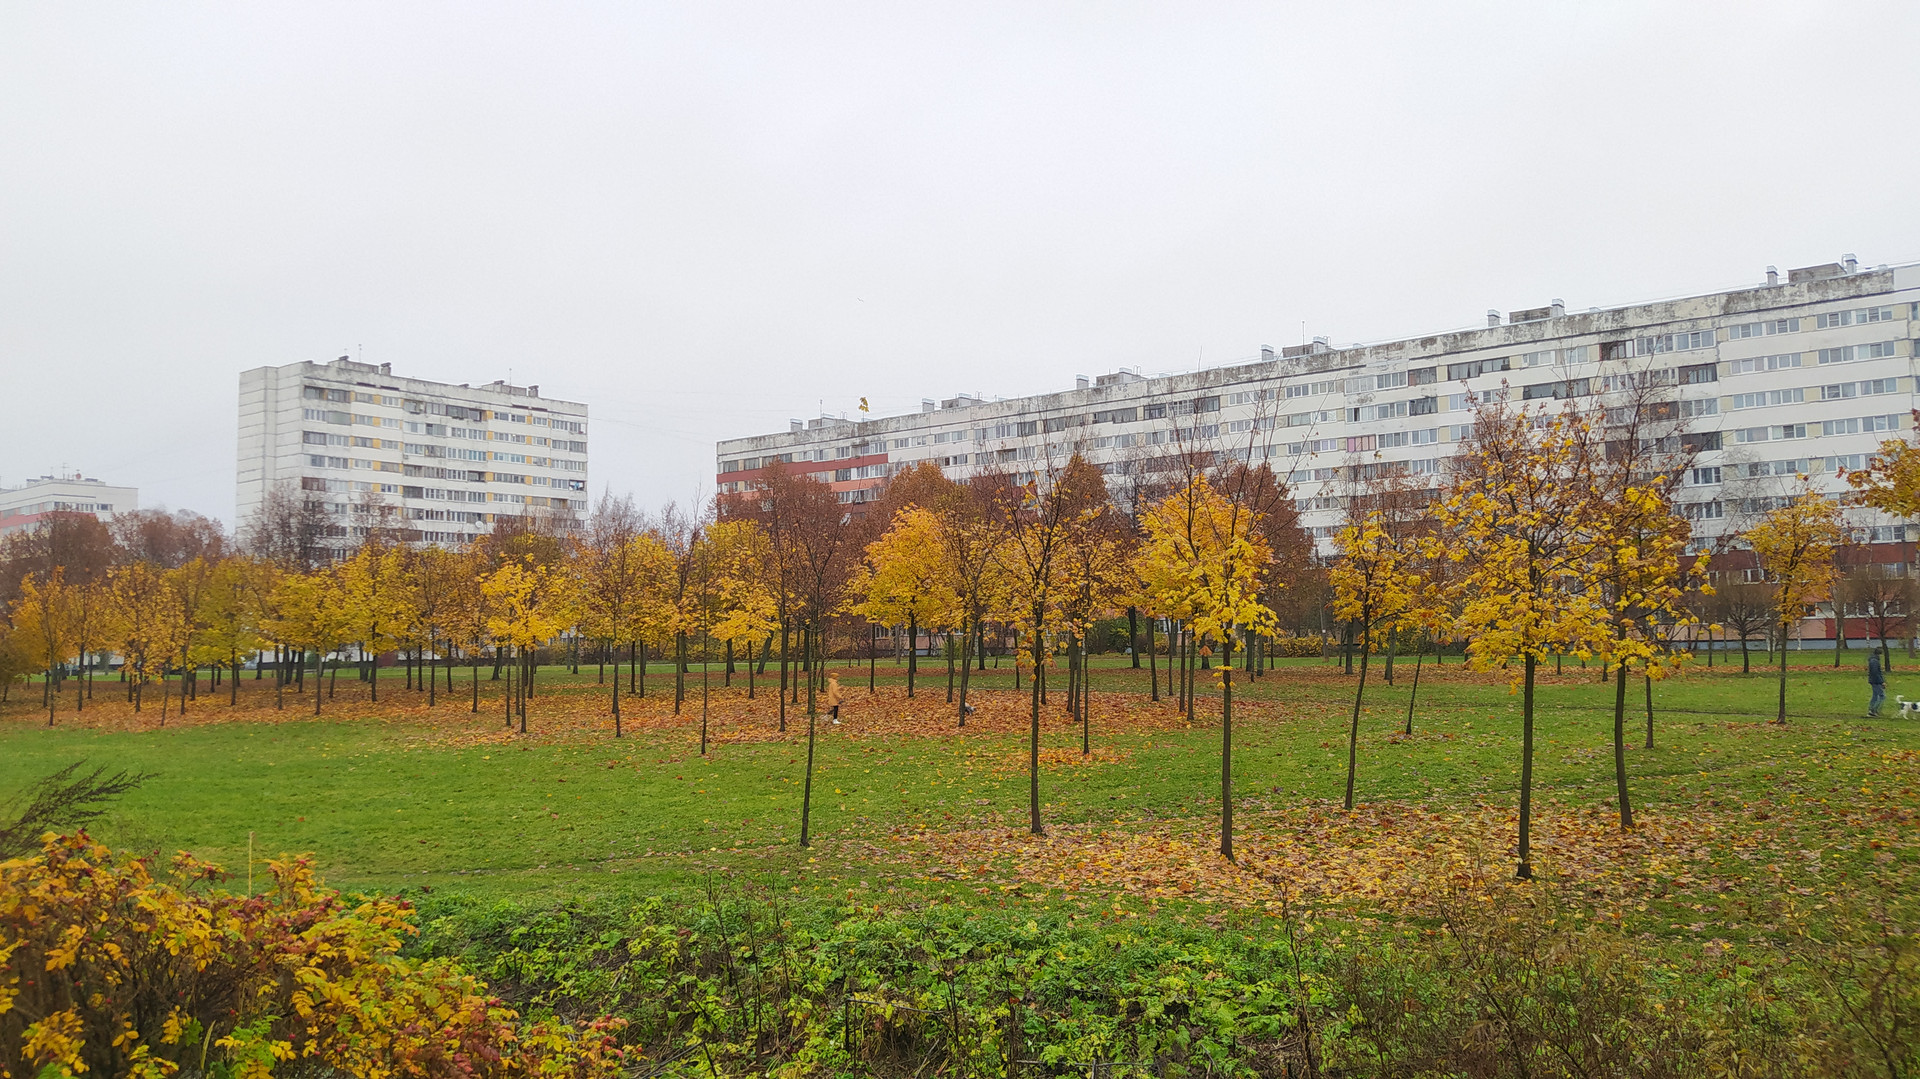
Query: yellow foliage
[
  {"x": 1202, "y": 561},
  {"x": 107, "y": 969}
]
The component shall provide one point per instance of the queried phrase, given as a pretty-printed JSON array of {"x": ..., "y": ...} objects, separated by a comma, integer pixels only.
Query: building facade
[
  {"x": 1801, "y": 375},
  {"x": 441, "y": 461},
  {"x": 27, "y": 504}
]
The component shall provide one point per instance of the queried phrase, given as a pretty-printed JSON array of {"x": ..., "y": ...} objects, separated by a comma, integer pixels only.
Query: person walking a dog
[{"x": 1877, "y": 679}]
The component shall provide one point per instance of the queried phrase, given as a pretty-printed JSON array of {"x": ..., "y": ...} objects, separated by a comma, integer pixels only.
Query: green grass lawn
[{"x": 448, "y": 802}]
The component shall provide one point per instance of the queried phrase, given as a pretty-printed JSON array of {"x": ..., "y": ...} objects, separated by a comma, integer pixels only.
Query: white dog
[{"x": 1907, "y": 706}]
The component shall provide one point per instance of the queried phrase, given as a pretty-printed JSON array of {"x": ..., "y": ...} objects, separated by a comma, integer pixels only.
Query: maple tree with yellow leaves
[
  {"x": 46, "y": 626},
  {"x": 1795, "y": 544},
  {"x": 1203, "y": 557},
  {"x": 528, "y": 604},
  {"x": 1517, "y": 515},
  {"x": 906, "y": 579},
  {"x": 1376, "y": 589},
  {"x": 1643, "y": 576}
]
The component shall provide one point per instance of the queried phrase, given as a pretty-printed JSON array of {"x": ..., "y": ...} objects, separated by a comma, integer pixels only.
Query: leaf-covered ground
[{"x": 909, "y": 807}]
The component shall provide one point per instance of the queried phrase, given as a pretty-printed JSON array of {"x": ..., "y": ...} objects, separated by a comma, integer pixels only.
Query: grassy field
[{"x": 396, "y": 796}]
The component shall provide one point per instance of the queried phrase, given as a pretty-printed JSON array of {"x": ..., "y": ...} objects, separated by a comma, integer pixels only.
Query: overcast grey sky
[{"x": 703, "y": 219}]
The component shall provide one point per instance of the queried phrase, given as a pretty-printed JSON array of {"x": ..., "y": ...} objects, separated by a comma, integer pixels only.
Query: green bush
[{"x": 1499, "y": 981}]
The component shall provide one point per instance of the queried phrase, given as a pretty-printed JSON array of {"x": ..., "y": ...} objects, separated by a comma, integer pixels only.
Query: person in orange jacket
[{"x": 833, "y": 697}]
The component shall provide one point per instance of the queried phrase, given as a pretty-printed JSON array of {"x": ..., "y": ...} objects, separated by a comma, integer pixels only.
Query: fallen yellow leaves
[{"x": 1387, "y": 856}]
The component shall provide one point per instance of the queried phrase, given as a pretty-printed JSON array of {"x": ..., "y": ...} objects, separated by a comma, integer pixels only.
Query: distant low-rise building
[
  {"x": 444, "y": 460},
  {"x": 27, "y": 504}
]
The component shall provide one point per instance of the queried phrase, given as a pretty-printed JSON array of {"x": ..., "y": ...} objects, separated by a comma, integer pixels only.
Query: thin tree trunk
[
  {"x": 1649, "y": 680},
  {"x": 1524, "y": 871},
  {"x": 1033, "y": 741},
  {"x": 786, "y": 637},
  {"x": 966, "y": 667},
  {"x": 1226, "y": 747},
  {"x": 1780, "y": 717},
  {"x": 1620, "y": 745},
  {"x": 913, "y": 649},
  {"x": 679, "y": 670},
  {"x": 1086, "y": 726},
  {"x": 806, "y": 785},
  {"x": 1353, "y": 727},
  {"x": 946, "y": 645},
  {"x": 873, "y": 654},
  {"x": 1153, "y": 675},
  {"x": 1133, "y": 635},
  {"x": 1415, "y": 695}
]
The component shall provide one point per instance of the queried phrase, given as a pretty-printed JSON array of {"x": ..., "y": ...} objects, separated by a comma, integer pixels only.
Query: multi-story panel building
[
  {"x": 445, "y": 460},
  {"x": 27, "y": 504},
  {"x": 1801, "y": 376}
]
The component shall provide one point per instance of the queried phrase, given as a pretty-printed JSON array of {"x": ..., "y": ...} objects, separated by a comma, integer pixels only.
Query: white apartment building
[
  {"x": 446, "y": 459},
  {"x": 1805, "y": 375},
  {"x": 26, "y": 504}
]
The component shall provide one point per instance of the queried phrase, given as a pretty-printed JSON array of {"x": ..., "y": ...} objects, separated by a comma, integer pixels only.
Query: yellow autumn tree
[
  {"x": 609, "y": 581},
  {"x": 1517, "y": 517},
  {"x": 190, "y": 584},
  {"x": 464, "y": 625},
  {"x": 1795, "y": 545},
  {"x": 46, "y": 618},
  {"x": 1096, "y": 577},
  {"x": 308, "y": 611},
  {"x": 657, "y": 613},
  {"x": 1891, "y": 481},
  {"x": 907, "y": 580},
  {"x": 1376, "y": 589},
  {"x": 230, "y": 615},
  {"x": 373, "y": 604},
  {"x": 1643, "y": 576},
  {"x": 746, "y": 610},
  {"x": 529, "y": 603},
  {"x": 147, "y": 630},
  {"x": 1203, "y": 555},
  {"x": 1032, "y": 521}
]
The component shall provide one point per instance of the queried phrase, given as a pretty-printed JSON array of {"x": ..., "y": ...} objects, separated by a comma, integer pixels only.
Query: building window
[
  {"x": 1457, "y": 372},
  {"x": 1763, "y": 398},
  {"x": 1756, "y": 364},
  {"x": 1676, "y": 342},
  {"x": 1763, "y": 329},
  {"x": 1706, "y": 476},
  {"x": 1702, "y": 511}
]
